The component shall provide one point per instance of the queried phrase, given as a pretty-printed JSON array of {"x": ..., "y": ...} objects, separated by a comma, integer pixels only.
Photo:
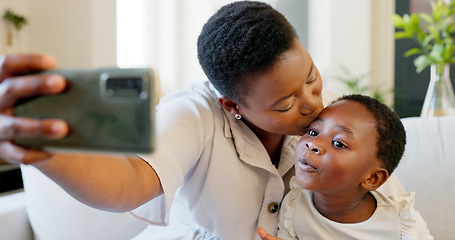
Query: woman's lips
[{"x": 305, "y": 165}]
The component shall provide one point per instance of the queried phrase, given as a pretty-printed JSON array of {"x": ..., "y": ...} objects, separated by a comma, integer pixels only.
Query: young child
[{"x": 349, "y": 151}]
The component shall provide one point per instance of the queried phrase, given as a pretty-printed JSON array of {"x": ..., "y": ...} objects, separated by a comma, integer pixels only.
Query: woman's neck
[
  {"x": 272, "y": 142},
  {"x": 345, "y": 210}
]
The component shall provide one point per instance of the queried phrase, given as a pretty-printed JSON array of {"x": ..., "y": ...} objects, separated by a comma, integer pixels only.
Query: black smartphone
[{"x": 108, "y": 110}]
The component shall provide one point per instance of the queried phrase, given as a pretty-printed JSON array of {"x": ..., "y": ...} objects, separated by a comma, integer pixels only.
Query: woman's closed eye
[
  {"x": 288, "y": 107},
  {"x": 314, "y": 75}
]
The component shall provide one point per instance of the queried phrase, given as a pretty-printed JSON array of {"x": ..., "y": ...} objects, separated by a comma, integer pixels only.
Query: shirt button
[{"x": 273, "y": 207}]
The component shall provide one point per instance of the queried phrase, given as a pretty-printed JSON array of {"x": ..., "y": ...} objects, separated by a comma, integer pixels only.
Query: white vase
[{"x": 440, "y": 98}]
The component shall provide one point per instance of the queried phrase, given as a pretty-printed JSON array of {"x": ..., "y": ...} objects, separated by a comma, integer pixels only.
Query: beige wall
[
  {"x": 356, "y": 34},
  {"x": 78, "y": 33}
]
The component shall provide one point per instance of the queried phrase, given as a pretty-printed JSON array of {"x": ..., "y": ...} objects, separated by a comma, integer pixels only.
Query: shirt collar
[{"x": 250, "y": 149}]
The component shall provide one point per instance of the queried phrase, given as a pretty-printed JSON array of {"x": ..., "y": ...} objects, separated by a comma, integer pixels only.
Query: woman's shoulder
[
  {"x": 199, "y": 92},
  {"x": 198, "y": 97}
]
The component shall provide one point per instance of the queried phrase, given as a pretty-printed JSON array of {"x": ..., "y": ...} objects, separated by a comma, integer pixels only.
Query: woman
[{"x": 225, "y": 147}]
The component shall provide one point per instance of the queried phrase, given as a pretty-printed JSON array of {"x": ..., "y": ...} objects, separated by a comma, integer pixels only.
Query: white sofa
[
  {"x": 55, "y": 215},
  {"x": 45, "y": 212},
  {"x": 428, "y": 168}
]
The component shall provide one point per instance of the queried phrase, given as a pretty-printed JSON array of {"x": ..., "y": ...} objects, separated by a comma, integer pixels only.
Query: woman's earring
[{"x": 238, "y": 116}]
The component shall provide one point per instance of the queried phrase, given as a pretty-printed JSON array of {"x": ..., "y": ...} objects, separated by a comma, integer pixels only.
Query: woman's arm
[{"x": 108, "y": 182}]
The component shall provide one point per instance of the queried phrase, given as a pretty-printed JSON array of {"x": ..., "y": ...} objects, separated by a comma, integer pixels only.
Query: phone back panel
[{"x": 107, "y": 110}]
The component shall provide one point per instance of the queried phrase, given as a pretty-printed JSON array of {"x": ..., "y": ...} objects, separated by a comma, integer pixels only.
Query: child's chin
[{"x": 304, "y": 181}]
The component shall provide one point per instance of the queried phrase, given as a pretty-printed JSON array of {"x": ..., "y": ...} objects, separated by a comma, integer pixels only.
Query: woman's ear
[
  {"x": 376, "y": 179},
  {"x": 228, "y": 104}
]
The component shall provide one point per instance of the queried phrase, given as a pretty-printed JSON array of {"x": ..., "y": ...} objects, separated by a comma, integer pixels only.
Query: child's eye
[
  {"x": 338, "y": 144},
  {"x": 312, "y": 133}
]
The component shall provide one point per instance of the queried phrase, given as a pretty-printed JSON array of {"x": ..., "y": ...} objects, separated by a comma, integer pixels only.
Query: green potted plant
[
  {"x": 433, "y": 35},
  {"x": 355, "y": 85},
  {"x": 15, "y": 20}
]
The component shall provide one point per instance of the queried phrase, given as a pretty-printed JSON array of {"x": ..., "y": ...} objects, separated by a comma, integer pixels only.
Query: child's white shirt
[{"x": 394, "y": 218}]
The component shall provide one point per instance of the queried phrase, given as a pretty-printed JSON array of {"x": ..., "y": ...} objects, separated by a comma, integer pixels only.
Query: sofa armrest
[
  {"x": 55, "y": 215},
  {"x": 14, "y": 224},
  {"x": 427, "y": 168}
]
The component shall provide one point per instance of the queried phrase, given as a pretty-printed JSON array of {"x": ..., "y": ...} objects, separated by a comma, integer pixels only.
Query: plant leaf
[
  {"x": 421, "y": 63},
  {"x": 412, "y": 51},
  {"x": 402, "y": 35},
  {"x": 435, "y": 38},
  {"x": 397, "y": 20},
  {"x": 414, "y": 21},
  {"x": 426, "y": 17},
  {"x": 447, "y": 51},
  {"x": 427, "y": 40}
]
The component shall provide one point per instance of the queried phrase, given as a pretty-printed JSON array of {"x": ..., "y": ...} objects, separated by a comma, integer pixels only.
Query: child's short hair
[
  {"x": 242, "y": 38},
  {"x": 391, "y": 139}
]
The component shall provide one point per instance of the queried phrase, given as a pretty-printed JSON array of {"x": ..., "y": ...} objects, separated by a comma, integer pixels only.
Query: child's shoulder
[
  {"x": 402, "y": 201},
  {"x": 294, "y": 186},
  {"x": 403, "y": 206},
  {"x": 296, "y": 191},
  {"x": 297, "y": 194}
]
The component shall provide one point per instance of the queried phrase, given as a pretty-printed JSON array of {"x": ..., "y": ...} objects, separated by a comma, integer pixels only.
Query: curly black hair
[
  {"x": 391, "y": 133},
  {"x": 242, "y": 38}
]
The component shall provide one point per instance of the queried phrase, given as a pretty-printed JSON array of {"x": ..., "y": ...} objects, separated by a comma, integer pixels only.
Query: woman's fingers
[
  {"x": 18, "y": 155},
  {"x": 14, "y": 127},
  {"x": 14, "y": 88},
  {"x": 24, "y": 63},
  {"x": 14, "y": 85},
  {"x": 19, "y": 79}
]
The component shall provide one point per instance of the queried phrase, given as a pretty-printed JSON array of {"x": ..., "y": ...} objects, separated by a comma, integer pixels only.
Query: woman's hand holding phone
[{"x": 16, "y": 84}]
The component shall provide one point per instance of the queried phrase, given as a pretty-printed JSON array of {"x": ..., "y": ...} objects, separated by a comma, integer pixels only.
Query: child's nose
[{"x": 314, "y": 147}]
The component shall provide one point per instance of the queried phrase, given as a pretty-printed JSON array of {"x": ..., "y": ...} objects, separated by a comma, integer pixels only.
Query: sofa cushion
[
  {"x": 14, "y": 223},
  {"x": 55, "y": 215},
  {"x": 428, "y": 168}
]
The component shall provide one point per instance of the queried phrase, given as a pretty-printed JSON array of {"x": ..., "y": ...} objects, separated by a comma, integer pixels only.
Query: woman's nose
[
  {"x": 314, "y": 148},
  {"x": 310, "y": 104}
]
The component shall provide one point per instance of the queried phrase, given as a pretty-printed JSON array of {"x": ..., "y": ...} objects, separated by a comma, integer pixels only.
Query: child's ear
[{"x": 376, "y": 179}]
